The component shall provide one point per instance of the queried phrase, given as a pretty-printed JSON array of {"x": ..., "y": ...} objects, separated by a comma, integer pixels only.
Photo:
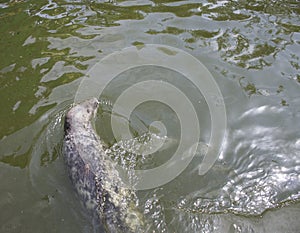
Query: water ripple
[{"x": 264, "y": 162}]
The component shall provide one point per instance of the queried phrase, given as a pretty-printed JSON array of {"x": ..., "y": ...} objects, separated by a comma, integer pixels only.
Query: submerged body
[{"x": 94, "y": 175}]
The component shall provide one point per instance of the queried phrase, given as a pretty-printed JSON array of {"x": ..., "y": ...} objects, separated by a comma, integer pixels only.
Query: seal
[{"x": 94, "y": 174}]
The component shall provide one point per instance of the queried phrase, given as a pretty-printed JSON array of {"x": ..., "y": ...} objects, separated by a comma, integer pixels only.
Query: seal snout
[
  {"x": 95, "y": 103},
  {"x": 89, "y": 106},
  {"x": 92, "y": 106}
]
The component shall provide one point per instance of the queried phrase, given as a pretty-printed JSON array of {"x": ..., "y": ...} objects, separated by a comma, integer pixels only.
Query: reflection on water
[
  {"x": 263, "y": 164},
  {"x": 251, "y": 47}
]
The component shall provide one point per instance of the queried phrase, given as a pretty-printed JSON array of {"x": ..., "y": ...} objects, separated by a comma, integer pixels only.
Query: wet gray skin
[{"x": 93, "y": 174}]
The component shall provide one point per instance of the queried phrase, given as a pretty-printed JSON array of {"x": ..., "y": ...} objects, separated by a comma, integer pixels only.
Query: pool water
[{"x": 252, "y": 49}]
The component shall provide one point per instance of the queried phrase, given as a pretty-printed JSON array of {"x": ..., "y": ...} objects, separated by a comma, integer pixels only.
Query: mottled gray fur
[{"x": 94, "y": 175}]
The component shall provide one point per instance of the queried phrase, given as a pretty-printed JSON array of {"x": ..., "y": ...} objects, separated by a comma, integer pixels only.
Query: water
[{"x": 251, "y": 48}]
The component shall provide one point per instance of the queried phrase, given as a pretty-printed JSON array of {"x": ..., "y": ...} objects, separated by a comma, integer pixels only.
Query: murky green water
[{"x": 252, "y": 48}]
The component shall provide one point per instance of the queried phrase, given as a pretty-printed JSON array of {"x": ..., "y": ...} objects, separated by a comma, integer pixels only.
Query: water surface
[{"x": 252, "y": 48}]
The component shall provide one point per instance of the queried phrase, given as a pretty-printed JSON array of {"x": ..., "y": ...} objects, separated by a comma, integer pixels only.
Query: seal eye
[
  {"x": 88, "y": 111},
  {"x": 96, "y": 104}
]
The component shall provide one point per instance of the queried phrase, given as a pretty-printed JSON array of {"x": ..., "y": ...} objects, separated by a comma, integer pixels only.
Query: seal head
[{"x": 81, "y": 115}]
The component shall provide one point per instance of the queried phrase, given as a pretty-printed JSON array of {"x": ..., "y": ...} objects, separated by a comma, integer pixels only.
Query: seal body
[{"x": 94, "y": 175}]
